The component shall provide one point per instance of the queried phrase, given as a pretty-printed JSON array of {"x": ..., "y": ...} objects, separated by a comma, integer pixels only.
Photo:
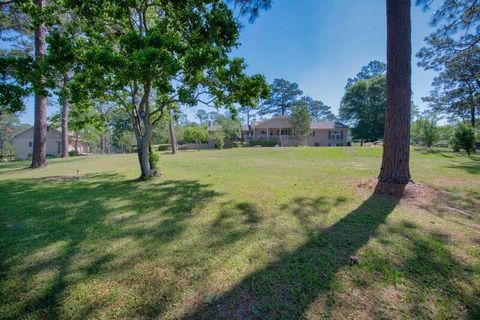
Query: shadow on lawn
[
  {"x": 38, "y": 214},
  {"x": 286, "y": 288},
  {"x": 473, "y": 168}
]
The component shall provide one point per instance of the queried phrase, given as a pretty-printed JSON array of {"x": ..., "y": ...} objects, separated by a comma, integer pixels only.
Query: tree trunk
[
  {"x": 143, "y": 158},
  {"x": 76, "y": 143},
  {"x": 396, "y": 147},
  {"x": 102, "y": 143},
  {"x": 473, "y": 119},
  {"x": 144, "y": 137},
  {"x": 40, "y": 125},
  {"x": 65, "y": 110},
  {"x": 171, "y": 131}
]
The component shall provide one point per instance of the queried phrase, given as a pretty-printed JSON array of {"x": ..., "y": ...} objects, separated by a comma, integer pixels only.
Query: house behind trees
[
  {"x": 24, "y": 144},
  {"x": 280, "y": 129}
]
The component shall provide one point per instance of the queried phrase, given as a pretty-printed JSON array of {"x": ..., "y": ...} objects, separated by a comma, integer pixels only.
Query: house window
[
  {"x": 317, "y": 144},
  {"x": 264, "y": 131},
  {"x": 312, "y": 133},
  {"x": 30, "y": 144},
  {"x": 335, "y": 135}
]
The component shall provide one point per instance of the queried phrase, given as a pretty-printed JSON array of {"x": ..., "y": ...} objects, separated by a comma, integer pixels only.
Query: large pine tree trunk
[
  {"x": 171, "y": 132},
  {"x": 40, "y": 126},
  {"x": 396, "y": 147},
  {"x": 65, "y": 110}
]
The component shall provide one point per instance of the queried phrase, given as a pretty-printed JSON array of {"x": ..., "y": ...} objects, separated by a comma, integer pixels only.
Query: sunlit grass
[{"x": 240, "y": 233}]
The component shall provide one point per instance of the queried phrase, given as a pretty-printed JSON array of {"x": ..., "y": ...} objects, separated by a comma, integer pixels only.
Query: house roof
[
  {"x": 313, "y": 125},
  {"x": 70, "y": 134},
  {"x": 327, "y": 125}
]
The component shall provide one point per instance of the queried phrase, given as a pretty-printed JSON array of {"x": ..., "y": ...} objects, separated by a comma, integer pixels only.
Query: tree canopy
[
  {"x": 149, "y": 55},
  {"x": 363, "y": 106},
  {"x": 300, "y": 120},
  {"x": 283, "y": 97}
]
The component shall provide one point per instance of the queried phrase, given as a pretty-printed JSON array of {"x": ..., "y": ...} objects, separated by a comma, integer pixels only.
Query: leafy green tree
[
  {"x": 231, "y": 128},
  {"x": 150, "y": 55},
  {"x": 317, "y": 109},
  {"x": 300, "y": 120},
  {"x": 23, "y": 73},
  {"x": 425, "y": 129},
  {"x": 248, "y": 112},
  {"x": 126, "y": 141},
  {"x": 458, "y": 30},
  {"x": 9, "y": 125},
  {"x": 202, "y": 116},
  {"x": 283, "y": 97},
  {"x": 371, "y": 70},
  {"x": 195, "y": 135},
  {"x": 363, "y": 107},
  {"x": 453, "y": 49},
  {"x": 218, "y": 137},
  {"x": 463, "y": 138},
  {"x": 457, "y": 86}
]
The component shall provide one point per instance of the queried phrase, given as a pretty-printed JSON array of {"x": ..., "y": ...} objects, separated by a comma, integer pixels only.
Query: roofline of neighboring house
[
  {"x": 70, "y": 134},
  {"x": 256, "y": 124},
  {"x": 23, "y": 131}
]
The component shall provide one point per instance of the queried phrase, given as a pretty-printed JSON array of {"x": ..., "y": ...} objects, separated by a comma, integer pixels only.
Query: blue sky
[{"x": 320, "y": 44}]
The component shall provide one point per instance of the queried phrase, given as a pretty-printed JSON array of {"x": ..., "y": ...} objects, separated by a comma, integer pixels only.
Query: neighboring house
[
  {"x": 24, "y": 143},
  {"x": 280, "y": 129}
]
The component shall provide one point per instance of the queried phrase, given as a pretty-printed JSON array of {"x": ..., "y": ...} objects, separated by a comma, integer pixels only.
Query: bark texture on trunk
[
  {"x": 171, "y": 132},
  {"x": 396, "y": 147},
  {"x": 65, "y": 110},
  {"x": 40, "y": 123},
  {"x": 142, "y": 126}
]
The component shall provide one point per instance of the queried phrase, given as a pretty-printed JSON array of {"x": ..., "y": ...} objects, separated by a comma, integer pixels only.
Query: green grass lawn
[{"x": 254, "y": 233}]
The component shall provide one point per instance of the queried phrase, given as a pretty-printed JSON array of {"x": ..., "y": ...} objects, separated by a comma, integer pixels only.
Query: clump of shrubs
[
  {"x": 163, "y": 147},
  {"x": 263, "y": 143},
  {"x": 218, "y": 137},
  {"x": 463, "y": 138},
  {"x": 154, "y": 158}
]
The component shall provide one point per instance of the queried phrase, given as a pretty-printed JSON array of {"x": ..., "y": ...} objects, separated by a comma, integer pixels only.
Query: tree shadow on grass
[
  {"x": 444, "y": 286},
  {"x": 46, "y": 224},
  {"x": 286, "y": 288},
  {"x": 473, "y": 168}
]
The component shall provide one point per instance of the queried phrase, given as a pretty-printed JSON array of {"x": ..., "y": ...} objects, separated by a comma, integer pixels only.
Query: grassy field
[{"x": 257, "y": 233}]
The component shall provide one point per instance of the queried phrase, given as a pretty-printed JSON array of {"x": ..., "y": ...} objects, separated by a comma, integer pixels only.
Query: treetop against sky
[{"x": 319, "y": 45}]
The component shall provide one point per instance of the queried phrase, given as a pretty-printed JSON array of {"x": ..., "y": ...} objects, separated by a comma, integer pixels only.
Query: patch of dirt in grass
[
  {"x": 421, "y": 196},
  {"x": 416, "y": 194}
]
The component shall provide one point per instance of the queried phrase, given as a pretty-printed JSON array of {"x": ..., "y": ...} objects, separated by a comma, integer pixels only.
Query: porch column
[{"x": 268, "y": 135}]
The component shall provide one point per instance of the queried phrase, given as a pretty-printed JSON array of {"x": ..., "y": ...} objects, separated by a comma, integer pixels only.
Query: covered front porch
[{"x": 281, "y": 135}]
